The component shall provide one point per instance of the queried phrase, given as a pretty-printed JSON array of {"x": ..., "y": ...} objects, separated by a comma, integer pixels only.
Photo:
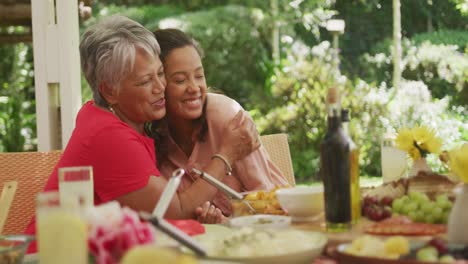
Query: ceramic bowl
[
  {"x": 13, "y": 248},
  {"x": 302, "y": 203}
]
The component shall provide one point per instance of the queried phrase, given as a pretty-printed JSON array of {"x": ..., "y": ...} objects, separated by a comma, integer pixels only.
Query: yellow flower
[
  {"x": 404, "y": 139},
  {"x": 427, "y": 140},
  {"x": 418, "y": 142},
  {"x": 458, "y": 162},
  {"x": 414, "y": 153}
]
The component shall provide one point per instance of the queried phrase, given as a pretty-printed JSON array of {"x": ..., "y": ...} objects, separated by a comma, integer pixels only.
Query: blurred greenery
[
  {"x": 442, "y": 67},
  {"x": 287, "y": 95},
  {"x": 17, "y": 105},
  {"x": 444, "y": 37}
]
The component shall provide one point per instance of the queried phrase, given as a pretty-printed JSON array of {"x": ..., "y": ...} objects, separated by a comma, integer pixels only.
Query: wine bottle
[
  {"x": 354, "y": 170},
  {"x": 335, "y": 168}
]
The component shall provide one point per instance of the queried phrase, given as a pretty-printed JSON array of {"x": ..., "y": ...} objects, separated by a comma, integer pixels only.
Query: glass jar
[
  {"x": 77, "y": 181},
  {"x": 61, "y": 231},
  {"x": 393, "y": 160}
]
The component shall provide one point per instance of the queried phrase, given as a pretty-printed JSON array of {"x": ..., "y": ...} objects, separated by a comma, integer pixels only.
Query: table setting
[{"x": 413, "y": 219}]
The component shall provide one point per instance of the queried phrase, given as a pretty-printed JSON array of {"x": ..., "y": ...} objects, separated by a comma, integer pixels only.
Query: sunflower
[
  {"x": 458, "y": 162},
  {"x": 418, "y": 141}
]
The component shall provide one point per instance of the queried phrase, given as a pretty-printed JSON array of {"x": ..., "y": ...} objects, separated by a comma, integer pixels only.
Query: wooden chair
[
  {"x": 31, "y": 170},
  {"x": 277, "y": 147}
]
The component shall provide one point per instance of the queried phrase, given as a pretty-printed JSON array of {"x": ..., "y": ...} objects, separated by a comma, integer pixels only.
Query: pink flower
[{"x": 108, "y": 241}]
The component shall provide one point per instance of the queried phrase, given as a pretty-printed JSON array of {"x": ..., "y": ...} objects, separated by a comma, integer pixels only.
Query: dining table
[{"x": 317, "y": 225}]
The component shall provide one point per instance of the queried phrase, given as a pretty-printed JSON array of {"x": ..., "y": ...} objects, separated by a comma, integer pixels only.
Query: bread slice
[{"x": 426, "y": 182}]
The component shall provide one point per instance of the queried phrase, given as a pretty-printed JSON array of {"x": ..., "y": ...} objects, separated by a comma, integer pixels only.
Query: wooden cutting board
[{"x": 6, "y": 198}]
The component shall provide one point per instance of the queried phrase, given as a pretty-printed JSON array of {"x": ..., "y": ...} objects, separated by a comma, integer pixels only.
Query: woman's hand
[
  {"x": 240, "y": 138},
  {"x": 209, "y": 214}
]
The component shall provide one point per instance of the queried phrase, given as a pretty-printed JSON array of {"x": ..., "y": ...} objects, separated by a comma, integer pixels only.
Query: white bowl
[
  {"x": 302, "y": 203},
  {"x": 261, "y": 221}
]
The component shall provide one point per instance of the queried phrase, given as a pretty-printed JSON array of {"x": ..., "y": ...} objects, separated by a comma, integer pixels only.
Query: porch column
[{"x": 56, "y": 70}]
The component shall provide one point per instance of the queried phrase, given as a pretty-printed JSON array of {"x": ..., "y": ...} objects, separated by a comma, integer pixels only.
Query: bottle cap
[{"x": 344, "y": 115}]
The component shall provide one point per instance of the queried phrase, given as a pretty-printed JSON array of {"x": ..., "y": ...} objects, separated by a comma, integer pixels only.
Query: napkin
[{"x": 189, "y": 226}]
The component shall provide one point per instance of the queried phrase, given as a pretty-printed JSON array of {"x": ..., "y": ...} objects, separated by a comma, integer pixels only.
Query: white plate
[
  {"x": 215, "y": 236},
  {"x": 261, "y": 221}
]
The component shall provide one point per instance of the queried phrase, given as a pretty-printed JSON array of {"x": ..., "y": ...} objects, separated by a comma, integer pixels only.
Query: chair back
[
  {"x": 31, "y": 170},
  {"x": 277, "y": 147}
]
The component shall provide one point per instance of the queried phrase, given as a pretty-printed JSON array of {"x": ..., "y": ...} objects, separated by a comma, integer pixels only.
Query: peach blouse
[{"x": 254, "y": 172}]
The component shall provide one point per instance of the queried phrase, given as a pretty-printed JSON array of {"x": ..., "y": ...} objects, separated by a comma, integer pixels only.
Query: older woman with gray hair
[{"x": 120, "y": 59}]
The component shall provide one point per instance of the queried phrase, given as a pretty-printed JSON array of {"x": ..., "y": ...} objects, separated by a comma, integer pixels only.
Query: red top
[{"x": 122, "y": 159}]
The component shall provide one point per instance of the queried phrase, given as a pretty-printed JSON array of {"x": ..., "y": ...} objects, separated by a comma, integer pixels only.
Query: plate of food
[
  {"x": 397, "y": 249},
  {"x": 257, "y": 202},
  {"x": 257, "y": 246}
]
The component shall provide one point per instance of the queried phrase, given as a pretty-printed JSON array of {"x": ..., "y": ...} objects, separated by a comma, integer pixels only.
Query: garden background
[{"x": 276, "y": 58}]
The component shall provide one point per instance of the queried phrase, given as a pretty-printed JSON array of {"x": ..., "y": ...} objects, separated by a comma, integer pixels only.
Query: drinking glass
[
  {"x": 61, "y": 231},
  {"x": 394, "y": 161},
  {"x": 78, "y": 182}
]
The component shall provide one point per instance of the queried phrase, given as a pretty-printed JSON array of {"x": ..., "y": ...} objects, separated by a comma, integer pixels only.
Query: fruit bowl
[{"x": 13, "y": 248}]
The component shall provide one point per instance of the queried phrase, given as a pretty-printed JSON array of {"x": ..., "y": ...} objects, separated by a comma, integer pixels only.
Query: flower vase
[
  {"x": 419, "y": 165},
  {"x": 457, "y": 231}
]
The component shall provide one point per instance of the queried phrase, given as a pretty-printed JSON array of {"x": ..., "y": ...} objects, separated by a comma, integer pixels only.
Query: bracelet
[{"x": 226, "y": 162}]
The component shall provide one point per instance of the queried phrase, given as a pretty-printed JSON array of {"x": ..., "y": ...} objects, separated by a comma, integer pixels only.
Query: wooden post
[
  {"x": 275, "y": 37},
  {"x": 396, "y": 44},
  {"x": 57, "y": 70},
  {"x": 15, "y": 14}
]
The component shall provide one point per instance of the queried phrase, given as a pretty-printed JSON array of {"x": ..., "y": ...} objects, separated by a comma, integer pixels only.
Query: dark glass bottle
[
  {"x": 335, "y": 168},
  {"x": 354, "y": 170}
]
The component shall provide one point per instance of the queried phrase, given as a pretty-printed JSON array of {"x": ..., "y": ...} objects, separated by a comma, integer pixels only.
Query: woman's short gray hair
[{"x": 107, "y": 51}]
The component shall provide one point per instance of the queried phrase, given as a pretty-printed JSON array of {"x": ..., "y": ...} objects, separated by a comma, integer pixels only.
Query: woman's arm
[{"x": 239, "y": 140}]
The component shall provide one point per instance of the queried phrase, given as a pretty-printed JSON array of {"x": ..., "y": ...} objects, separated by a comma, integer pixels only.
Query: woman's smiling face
[
  {"x": 140, "y": 97},
  {"x": 186, "y": 85}
]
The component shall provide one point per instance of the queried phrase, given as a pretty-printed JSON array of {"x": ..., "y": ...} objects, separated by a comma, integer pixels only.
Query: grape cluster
[
  {"x": 436, "y": 250},
  {"x": 377, "y": 209},
  {"x": 420, "y": 208}
]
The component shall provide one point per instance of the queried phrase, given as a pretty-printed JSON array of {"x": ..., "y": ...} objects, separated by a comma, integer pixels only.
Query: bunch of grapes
[
  {"x": 420, "y": 208},
  {"x": 436, "y": 250},
  {"x": 376, "y": 209}
]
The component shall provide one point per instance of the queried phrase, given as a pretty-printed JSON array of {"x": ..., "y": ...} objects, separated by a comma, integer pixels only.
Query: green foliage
[
  {"x": 444, "y": 37},
  {"x": 147, "y": 15},
  {"x": 370, "y": 21},
  {"x": 461, "y": 5},
  {"x": 442, "y": 67},
  {"x": 17, "y": 107}
]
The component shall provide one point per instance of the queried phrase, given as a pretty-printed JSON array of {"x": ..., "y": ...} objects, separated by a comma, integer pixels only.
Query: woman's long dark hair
[{"x": 170, "y": 39}]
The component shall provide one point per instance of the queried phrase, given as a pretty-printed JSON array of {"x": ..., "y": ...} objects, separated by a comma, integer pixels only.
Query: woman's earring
[{"x": 111, "y": 109}]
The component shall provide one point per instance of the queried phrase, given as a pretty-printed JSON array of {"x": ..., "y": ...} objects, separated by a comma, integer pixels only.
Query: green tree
[{"x": 17, "y": 105}]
